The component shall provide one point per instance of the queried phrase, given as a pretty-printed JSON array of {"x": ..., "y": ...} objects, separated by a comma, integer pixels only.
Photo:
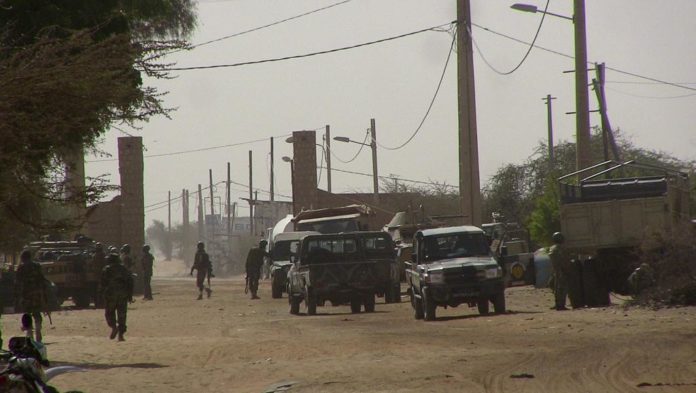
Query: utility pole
[
  {"x": 185, "y": 220},
  {"x": 251, "y": 200},
  {"x": 169, "y": 213},
  {"x": 469, "y": 181},
  {"x": 212, "y": 201},
  {"x": 229, "y": 181},
  {"x": 201, "y": 226},
  {"x": 607, "y": 133},
  {"x": 272, "y": 181},
  {"x": 327, "y": 138},
  {"x": 549, "y": 122},
  {"x": 375, "y": 178},
  {"x": 582, "y": 111}
]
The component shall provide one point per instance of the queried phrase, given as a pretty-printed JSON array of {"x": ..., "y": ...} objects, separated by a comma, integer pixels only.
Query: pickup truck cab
[
  {"x": 452, "y": 266},
  {"x": 285, "y": 245},
  {"x": 342, "y": 268}
]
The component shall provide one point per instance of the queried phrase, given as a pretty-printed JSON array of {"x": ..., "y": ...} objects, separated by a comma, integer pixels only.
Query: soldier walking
[
  {"x": 147, "y": 261},
  {"x": 254, "y": 264},
  {"x": 126, "y": 257},
  {"x": 117, "y": 289},
  {"x": 31, "y": 295},
  {"x": 204, "y": 268},
  {"x": 560, "y": 262}
]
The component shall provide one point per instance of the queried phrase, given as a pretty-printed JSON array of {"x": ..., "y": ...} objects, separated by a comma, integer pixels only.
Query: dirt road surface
[{"x": 229, "y": 343}]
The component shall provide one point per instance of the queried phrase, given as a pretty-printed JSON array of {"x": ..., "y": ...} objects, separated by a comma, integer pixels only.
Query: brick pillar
[
  {"x": 305, "y": 163},
  {"x": 75, "y": 185},
  {"x": 130, "y": 168}
]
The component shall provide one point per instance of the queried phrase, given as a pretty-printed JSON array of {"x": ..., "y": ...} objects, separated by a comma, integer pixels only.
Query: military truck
[
  {"x": 510, "y": 245},
  {"x": 607, "y": 214},
  {"x": 68, "y": 265},
  {"x": 284, "y": 246},
  {"x": 344, "y": 268},
  {"x": 452, "y": 266}
]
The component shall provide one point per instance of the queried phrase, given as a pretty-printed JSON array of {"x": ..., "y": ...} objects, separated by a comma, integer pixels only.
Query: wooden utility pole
[
  {"x": 229, "y": 191},
  {"x": 201, "y": 226},
  {"x": 607, "y": 133},
  {"x": 251, "y": 195},
  {"x": 375, "y": 178},
  {"x": 469, "y": 181},
  {"x": 582, "y": 110},
  {"x": 549, "y": 122},
  {"x": 327, "y": 137},
  {"x": 169, "y": 213},
  {"x": 212, "y": 201},
  {"x": 185, "y": 220},
  {"x": 272, "y": 196}
]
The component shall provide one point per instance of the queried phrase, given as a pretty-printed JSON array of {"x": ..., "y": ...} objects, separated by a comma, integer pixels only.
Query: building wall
[
  {"x": 131, "y": 171},
  {"x": 104, "y": 222},
  {"x": 305, "y": 195}
]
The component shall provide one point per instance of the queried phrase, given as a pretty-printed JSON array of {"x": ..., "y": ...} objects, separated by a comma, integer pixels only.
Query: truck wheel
[
  {"x": 388, "y": 297},
  {"x": 355, "y": 304},
  {"x": 429, "y": 307},
  {"x": 294, "y": 305},
  {"x": 81, "y": 299},
  {"x": 276, "y": 291},
  {"x": 311, "y": 302},
  {"x": 483, "y": 306},
  {"x": 369, "y": 303},
  {"x": 499, "y": 302},
  {"x": 417, "y": 306},
  {"x": 396, "y": 293}
]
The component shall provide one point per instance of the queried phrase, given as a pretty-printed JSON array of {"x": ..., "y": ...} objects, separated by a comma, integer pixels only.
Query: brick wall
[{"x": 305, "y": 173}]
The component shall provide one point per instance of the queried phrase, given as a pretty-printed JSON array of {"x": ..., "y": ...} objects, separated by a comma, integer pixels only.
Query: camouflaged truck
[
  {"x": 343, "y": 268},
  {"x": 452, "y": 266}
]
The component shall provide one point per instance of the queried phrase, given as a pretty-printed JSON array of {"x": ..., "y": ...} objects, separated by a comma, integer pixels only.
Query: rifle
[{"x": 246, "y": 286}]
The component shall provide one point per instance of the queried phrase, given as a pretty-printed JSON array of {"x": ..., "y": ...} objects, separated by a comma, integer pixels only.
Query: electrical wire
[
  {"x": 362, "y": 145},
  {"x": 432, "y": 101},
  {"x": 321, "y": 163},
  {"x": 651, "y": 97},
  {"x": 306, "y": 54},
  {"x": 529, "y": 50},
  {"x": 589, "y": 63},
  {"x": 392, "y": 177}
]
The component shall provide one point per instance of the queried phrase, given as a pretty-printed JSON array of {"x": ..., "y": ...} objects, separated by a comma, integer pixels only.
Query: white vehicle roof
[
  {"x": 449, "y": 230},
  {"x": 293, "y": 235}
]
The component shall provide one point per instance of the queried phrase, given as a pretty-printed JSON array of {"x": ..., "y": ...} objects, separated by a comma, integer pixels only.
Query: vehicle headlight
[
  {"x": 435, "y": 277},
  {"x": 494, "y": 272}
]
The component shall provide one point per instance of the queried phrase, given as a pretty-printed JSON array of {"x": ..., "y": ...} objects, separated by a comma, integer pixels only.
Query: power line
[
  {"x": 651, "y": 97},
  {"x": 306, "y": 54},
  {"x": 432, "y": 101},
  {"x": 268, "y": 25},
  {"x": 529, "y": 50},
  {"x": 390, "y": 178},
  {"x": 572, "y": 57}
]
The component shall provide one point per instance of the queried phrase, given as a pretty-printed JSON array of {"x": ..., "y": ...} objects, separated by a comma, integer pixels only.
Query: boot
[
  {"x": 114, "y": 332},
  {"x": 200, "y": 296},
  {"x": 120, "y": 337},
  {"x": 208, "y": 291}
]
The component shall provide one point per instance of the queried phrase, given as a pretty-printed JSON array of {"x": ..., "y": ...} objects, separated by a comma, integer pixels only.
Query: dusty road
[{"x": 231, "y": 344}]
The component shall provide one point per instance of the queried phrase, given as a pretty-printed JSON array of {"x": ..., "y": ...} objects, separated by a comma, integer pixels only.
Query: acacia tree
[{"x": 69, "y": 70}]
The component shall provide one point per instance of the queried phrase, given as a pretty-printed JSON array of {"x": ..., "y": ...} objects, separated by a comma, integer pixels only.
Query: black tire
[
  {"x": 311, "y": 302},
  {"x": 417, "y": 306},
  {"x": 369, "y": 303},
  {"x": 294, "y": 305},
  {"x": 81, "y": 299},
  {"x": 429, "y": 307},
  {"x": 483, "y": 306},
  {"x": 388, "y": 296},
  {"x": 355, "y": 304},
  {"x": 276, "y": 291},
  {"x": 499, "y": 302}
]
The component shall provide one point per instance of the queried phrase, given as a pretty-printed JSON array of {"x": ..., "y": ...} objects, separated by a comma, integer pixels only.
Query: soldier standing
[
  {"x": 254, "y": 264},
  {"x": 204, "y": 268},
  {"x": 117, "y": 289},
  {"x": 147, "y": 261},
  {"x": 126, "y": 257},
  {"x": 560, "y": 262},
  {"x": 31, "y": 294}
]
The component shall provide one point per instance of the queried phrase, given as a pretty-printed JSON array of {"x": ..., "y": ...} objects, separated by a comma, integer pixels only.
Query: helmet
[
  {"x": 98, "y": 246},
  {"x": 557, "y": 237},
  {"x": 146, "y": 248},
  {"x": 263, "y": 243},
  {"x": 112, "y": 249},
  {"x": 25, "y": 256},
  {"x": 125, "y": 248},
  {"x": 200, "y": 245}
]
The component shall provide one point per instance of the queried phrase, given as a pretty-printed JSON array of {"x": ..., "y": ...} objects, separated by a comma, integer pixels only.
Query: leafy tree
[{"x": 69, "y": 70}]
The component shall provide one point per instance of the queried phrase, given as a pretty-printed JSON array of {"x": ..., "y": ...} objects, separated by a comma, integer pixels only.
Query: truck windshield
[
  {"x": 282, "y": 250},
  {"x": 455, "y": 245}
]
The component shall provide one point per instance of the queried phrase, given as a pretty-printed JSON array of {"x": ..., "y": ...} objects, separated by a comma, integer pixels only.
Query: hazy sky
[{"x": 394, "y": 82}]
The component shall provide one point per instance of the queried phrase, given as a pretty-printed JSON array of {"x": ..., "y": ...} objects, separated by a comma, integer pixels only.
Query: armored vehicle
[
  {"x": 344, "y": 268},
  {"x": 452, "y": 266},
  {"x": 68, "y": 264},
  {"x": 284, "y": 246}
]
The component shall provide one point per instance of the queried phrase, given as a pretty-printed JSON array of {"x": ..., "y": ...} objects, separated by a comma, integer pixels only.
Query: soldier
[
  {"x": 126, "y": 257},
  {"x": 99, "y": 257},
  {"x": 560, "y": 262},
  {"x": 147, "y": 261},
  {"x": 31, "y": 294},
  {"x": 254, "y": 263},
  {"x": 117, "y": 289},
  {"x": 204, "y": 268},
  {"x": 641, "y": 279}
]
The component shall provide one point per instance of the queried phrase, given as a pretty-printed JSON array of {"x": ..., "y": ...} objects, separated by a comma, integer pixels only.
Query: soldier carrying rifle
[{"x": 204, "y": 268}]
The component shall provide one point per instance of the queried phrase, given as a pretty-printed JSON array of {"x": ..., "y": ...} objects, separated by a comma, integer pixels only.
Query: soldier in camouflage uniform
[
  {"x": 126, "y": 257},
  {"x": 147, "y": 261},
  {"x": 117, "y": 290},
  {"x": 204, "y": 268},
  {"x": 31, "y": 294},
  {"x": 254, "y": 264},
  {"x": 560, "y": 262}
]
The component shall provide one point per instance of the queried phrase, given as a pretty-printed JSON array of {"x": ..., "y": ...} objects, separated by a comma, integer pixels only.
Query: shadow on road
[{"x": 99, "y": 366}]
